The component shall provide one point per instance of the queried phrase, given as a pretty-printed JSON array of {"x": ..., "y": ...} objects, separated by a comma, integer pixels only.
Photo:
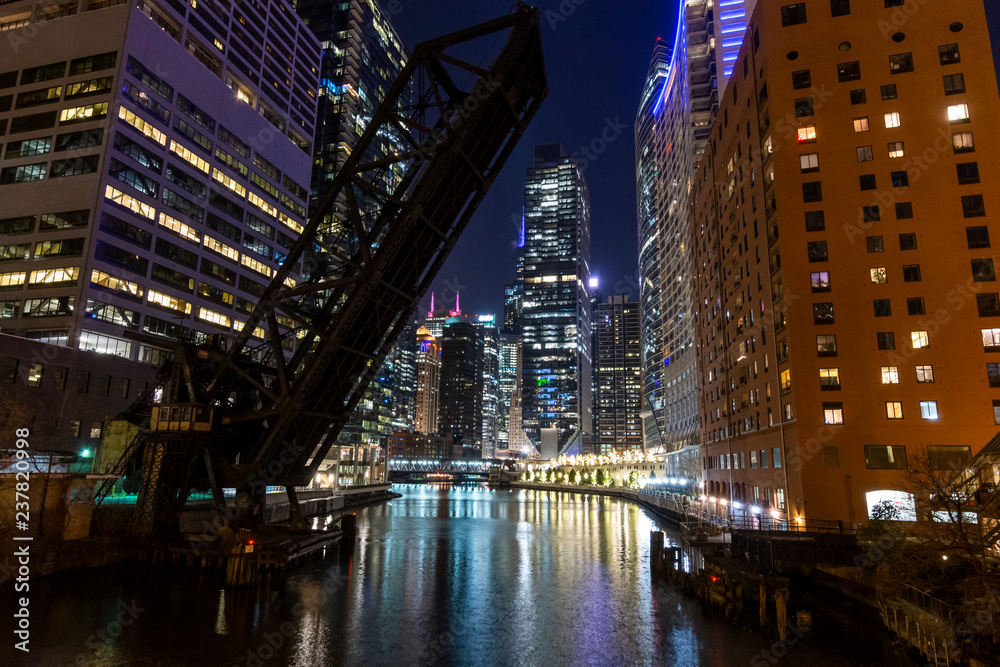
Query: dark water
[{"x": 443, "y": 576}]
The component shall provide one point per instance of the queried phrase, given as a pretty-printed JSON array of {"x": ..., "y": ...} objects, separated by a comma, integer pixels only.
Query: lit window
[
  {"x": 963, "y": 142},
  {"x": 167, "y": 301},
  {"x": 809, "y": 162},
  {"x": 15, "y": 279},
  {"x": 129, "y": 202},
  {"x": 222, "y": 248},
  {"x": 229, "y": 182},
  {"x": 892, "y": 119},
  {"x": 62, "y": 275},
  {"x": 259, "y": 202},
  {"x": 290, "y": 223},
  {"x": 181, "y": 228},
  {"x": 146, "y": 128},
  {"x": 83, "y": 114},
  {"x": 786, "y": 380},
  {"x": 807, "y": 134},
  {"x": 213, "y": 317},
  {"x": 879, "y": 275},
  {"x": 896, "y": 149},
  {"x": 893, "y": 410},
  {"x": 925, "y": 374},
  {"x": 107, "y": 281},
  {"x": 958, "y": 113},
  {"x": 833, "y": 413},
  {"x": 254, "y": 265},
  {"x": 829, "y": 378},
  {"x": 928, "y": 410},
  {"x": 189, "y": 156},
  {"x": 919, "y": 339},
  {"x": 865, "y": 154},
  {"x": 890, "y": 375},
  {"x": 861, "y": 124},
  {"x": 991, "y": 338}
]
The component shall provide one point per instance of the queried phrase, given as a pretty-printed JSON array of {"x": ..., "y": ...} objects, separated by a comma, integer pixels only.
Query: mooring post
[
  {"x": 655, "y": 551},
  {"x": 763, "y": 602},
  {"x": 781, "y": 609}
]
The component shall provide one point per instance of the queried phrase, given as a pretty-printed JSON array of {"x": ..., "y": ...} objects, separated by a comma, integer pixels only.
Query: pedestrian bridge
[{"x": 445, "y": 469}]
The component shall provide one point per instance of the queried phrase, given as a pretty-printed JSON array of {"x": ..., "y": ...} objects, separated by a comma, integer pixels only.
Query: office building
[
  {"x": 679, "y": 103},
  {"x": 462, "y": 364},
  {"x": 487, "y": 326},
  {"x": 618, "y": 383},
  {"x": 404, "y": 365},
  {"x": 154, "y": 169},
  {"x": 847, "y": 311},
  {"x": 428, "y": 386},
  {"x": 556, "y": 310},
  {"x": 408, "y": 445}
]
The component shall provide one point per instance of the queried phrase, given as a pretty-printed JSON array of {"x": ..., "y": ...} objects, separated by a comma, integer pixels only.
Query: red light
[
  {"x": 715, "y": 578},
  {"x": 250, "y": 542}
]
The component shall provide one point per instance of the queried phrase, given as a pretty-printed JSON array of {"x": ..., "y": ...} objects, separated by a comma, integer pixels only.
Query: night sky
[{"x": 596, "y": 58}]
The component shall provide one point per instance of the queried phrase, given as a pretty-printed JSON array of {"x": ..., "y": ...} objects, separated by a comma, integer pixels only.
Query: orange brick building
[{"x": 843, "y": 218}]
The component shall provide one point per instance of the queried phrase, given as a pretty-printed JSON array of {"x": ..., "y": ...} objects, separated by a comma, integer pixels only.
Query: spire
[
  {"x": 431, "y": 313},
  {"x": 458, "y": 310},
  {"x": 520, "y": 239}
]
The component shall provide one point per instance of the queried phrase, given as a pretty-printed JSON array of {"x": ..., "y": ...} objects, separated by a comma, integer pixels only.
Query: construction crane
[{"x": 264, "y": 409}]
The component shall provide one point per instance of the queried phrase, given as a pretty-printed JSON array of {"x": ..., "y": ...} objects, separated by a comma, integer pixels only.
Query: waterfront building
[
  {"x": 679, "y": 103},
  {"x": 462, "y": 365},
  {"x": 487, "y": 326},
  {"x": 847, "y": 310},
  {"x": 404, "y": 365},
  {"x": 428, "y": 386},
  {"x": 556, "y": 309},
  {"x": 618, "y": 378},
  {"x": 154, "y": 172},
  {"x": 362, "y": 57},
  {"x": 409, "y": 445}
]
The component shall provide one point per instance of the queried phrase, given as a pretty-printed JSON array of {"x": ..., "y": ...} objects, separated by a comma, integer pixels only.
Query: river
[{"x": 443, "y": 576}]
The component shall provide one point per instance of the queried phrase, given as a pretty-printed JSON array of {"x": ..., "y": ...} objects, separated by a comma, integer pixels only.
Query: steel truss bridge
[{"x": 248, "y": 414}]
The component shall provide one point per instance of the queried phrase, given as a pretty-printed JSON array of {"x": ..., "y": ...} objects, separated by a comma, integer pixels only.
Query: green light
[{"x": 85, "y": 453}]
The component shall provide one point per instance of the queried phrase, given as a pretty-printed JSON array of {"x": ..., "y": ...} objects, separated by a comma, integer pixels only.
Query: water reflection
[{"x": 443, "y": 576}]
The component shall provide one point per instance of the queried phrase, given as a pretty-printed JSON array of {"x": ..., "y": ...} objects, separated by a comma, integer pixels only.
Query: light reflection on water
[{"x": 443, "y": 576}]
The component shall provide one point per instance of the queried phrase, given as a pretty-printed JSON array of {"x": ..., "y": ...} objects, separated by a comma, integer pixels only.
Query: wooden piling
[{"x": 655, "y": 551}]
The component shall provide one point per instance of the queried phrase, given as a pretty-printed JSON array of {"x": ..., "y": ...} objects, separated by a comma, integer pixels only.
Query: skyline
[{"x": 484, "y": 258}]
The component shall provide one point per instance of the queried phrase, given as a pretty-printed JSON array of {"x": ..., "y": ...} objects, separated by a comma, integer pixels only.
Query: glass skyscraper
[
  {"x": 680, "y": 101},
  {"x": 556, "y": 309}
]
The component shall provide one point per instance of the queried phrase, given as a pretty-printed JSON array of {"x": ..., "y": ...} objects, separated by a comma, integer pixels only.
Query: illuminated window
[
  {"x": 893, "y": 410},
  {"x": 958, "y": 113},
  {"x": 879, "y": 275},
  {"x": 962, "y": 142},
  {"x": 820, "y": 281},
  {"x": 169, "y": 302},
  {"x": 213, "y": 317},
  {"x": 807, "y": 134},
  {"x": 83, "y": 114},
  {"x": 66, "y": 275},
  {"x": 103, "y": 344},
  {"x": 809, "y": 162},
  {"x": 179, "y": 227},
  {"x": 991, "y": 337},
  {"x": 229, "y": 182},
  {"x": 259, "y": 202},
  {"x": 928, "y": 410},
  {"x": 255, "y": 265},
  {"x": 290, "y": 223},
  {"x": 829, "y": 378},
  {"x": 221, "y": 248},
  {"x": 786, "y": 380},
  {"x": 146, "y": 128},
  {"x": 129, "y": 202},
  {"x": 14, "y": 279},
  {"x": 189, "y": 156},
  {"x": 833, "y": 413},
  {"x": 110, "y": 282},
  {"x": 892, "y": 119},
  {"x": 890, "y": 375},
  {"x": 865, "y": 154},
  {"x": 919, "y": 339},
  {"x": 896, "y": 149},
  {"x": 925, "y": 374},
  {"x": 861, "y": 124}
]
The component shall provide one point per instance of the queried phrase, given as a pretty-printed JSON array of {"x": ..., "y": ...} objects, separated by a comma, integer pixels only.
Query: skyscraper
[
  {"x": 154, "y": 172},
  {"x": 428, "y": 386},
  {"x": 556, "y": 312},
  {"x": 462, "y": 363},
  {"x": 847, "y": 312},
  {"x": 618, "y": 385},
  {"x": 679, "y": 103},
  {"x": 487, "y": 326},
  {"x": 404, "y": 364},
  {"x": 362, "y": 57}
]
